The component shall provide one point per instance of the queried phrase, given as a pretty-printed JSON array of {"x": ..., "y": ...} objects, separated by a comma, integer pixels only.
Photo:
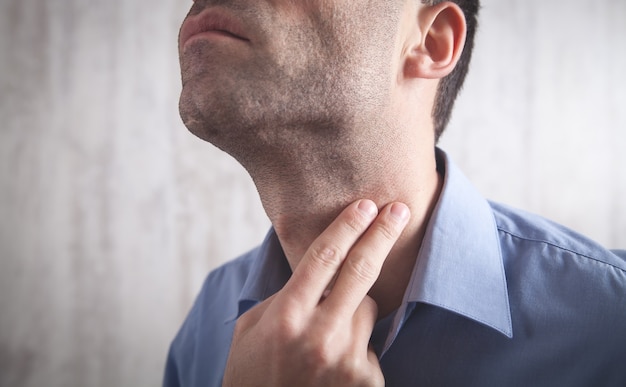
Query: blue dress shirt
[{"x": 497, "y": 297}]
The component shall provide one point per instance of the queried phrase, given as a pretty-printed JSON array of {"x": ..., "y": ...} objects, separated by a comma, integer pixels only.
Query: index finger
[{"x": 324, "y": 257}]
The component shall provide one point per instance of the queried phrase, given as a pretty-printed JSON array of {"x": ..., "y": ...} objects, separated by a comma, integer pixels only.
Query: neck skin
[{"x": 304, "y": 189}]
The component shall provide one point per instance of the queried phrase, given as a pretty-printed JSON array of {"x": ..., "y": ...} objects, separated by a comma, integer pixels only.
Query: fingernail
[
  {"x": 368, "y": 208},
  {"x": 400, "y": 211}
]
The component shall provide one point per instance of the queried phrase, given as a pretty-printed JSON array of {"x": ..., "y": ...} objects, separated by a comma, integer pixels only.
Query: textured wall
[{"x": 111, "y": 213}]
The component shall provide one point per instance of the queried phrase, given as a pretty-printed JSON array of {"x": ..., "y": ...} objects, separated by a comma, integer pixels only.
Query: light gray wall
[
  {"x": 111, "y": 213},
  {"x": 542, "y": 122}
]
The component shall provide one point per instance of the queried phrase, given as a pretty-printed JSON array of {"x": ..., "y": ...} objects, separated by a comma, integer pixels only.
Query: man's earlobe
[{"x": 443, "y": 29}]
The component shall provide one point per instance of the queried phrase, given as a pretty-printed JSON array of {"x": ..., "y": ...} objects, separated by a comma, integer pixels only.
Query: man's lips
[{"x": 211, "y": 21}]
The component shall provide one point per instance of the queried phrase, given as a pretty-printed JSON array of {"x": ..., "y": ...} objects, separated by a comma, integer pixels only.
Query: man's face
[{"x": 284, "y": 66}]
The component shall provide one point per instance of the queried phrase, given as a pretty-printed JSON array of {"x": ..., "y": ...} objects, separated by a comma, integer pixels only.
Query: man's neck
[{"x": 305, "y": 195}]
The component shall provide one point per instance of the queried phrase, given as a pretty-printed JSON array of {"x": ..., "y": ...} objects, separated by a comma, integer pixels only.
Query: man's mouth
[{"x": 211, "y": 22}]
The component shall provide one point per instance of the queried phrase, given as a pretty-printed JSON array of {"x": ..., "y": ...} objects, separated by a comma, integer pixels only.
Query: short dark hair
[{"x": 449, "y": 87}]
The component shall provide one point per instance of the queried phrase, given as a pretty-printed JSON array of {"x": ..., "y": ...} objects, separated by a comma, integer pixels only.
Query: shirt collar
[
  {"x": 459, "y": 266},
  {"x": 269, "y": 272}
]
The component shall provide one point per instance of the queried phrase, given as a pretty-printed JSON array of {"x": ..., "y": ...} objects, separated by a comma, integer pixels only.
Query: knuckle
[
  {"x": 362, "y": 268},
  {"x": 319, "y": 356},
  {"x": 327, "y": 255},
  {"x": 321, "y": 346},
  {"x": 388, "y": 230},
  {"x": 285, "y": 328}
]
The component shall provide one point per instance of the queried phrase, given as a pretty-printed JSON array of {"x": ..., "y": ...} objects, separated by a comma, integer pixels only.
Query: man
[{"x": 384, "y": 265}]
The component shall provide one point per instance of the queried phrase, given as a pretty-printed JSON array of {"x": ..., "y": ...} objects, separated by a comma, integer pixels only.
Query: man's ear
[{"x": 435, "y": 54}]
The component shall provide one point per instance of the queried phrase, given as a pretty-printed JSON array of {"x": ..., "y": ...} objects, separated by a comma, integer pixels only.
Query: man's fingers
[
  {"x": 326, "y": 254},
  {"x": 364, "y": 320},
  {"x": 362, "y": 266}
]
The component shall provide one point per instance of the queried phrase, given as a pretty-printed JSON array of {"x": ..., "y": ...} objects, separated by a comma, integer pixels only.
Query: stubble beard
[
  {"x": 305, "y": 102},
  {"x": 252, "y": 112}
]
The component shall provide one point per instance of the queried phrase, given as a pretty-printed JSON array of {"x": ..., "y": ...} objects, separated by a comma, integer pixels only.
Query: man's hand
[{"x": 315, "y": 332}]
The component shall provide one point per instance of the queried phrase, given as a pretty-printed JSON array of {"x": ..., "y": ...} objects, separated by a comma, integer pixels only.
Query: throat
[
  {"x": 303, "y": 193},
  {"x": 300, "y": 220}
]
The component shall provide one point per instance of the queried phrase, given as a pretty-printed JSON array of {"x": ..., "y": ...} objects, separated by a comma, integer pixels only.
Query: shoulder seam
[{"x": 560, "y": 247}]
